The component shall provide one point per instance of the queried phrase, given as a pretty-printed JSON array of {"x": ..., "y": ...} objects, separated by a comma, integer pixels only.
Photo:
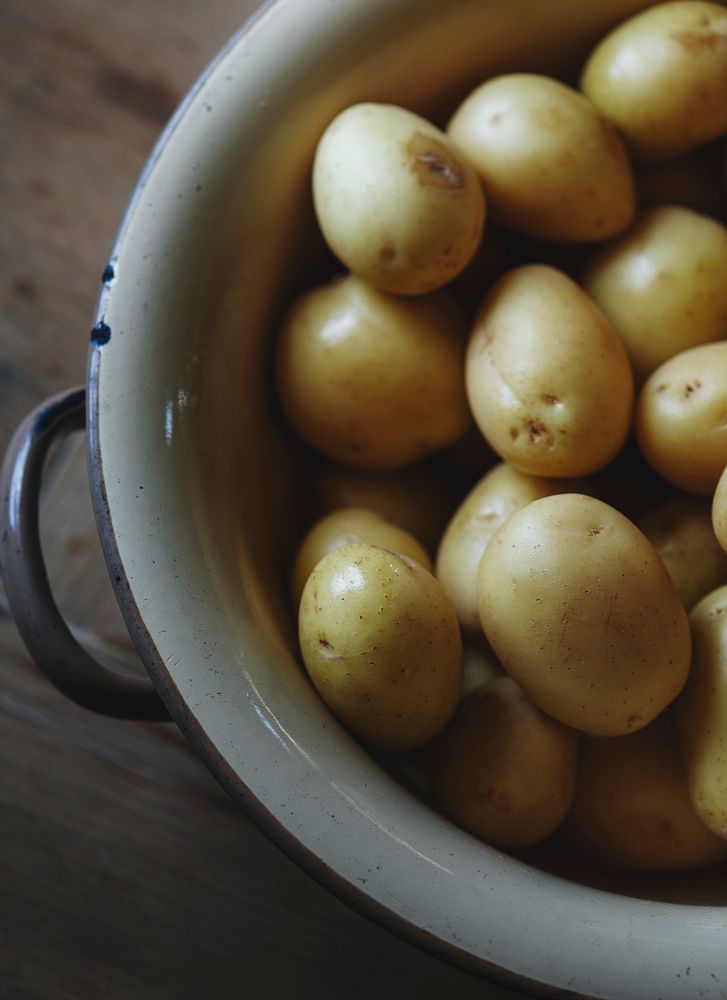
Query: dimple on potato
[
  {"x": 395, "y": 200},
  {"x": 661, "y": 77},
  {"x": 372, "y": 379},
  {"x": 548, "y": 378},
  {"x": 503, "y": 769},
  {"x": 381, "y": 644},
  {"x": 552, "y": 166},
  {"x": 702, "y": 712},
  {"x": 681, "y": 418},
  {"x": 583, "y": 614}
]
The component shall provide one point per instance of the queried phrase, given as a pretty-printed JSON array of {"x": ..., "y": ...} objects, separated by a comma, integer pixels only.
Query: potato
[
  {"x": 631, "y": 808},
  {"x": 501, "y": 492},
  {"x": 419, "y": 498},
  {"x": 396, "y": 202},
  {"x": 702, "y": 712},
  {"x": 548, "y": 379},
  {"x": 661, "y": 77},
  {"x": 719, "y": 511},
  {"x": 662, "y": 285},
  {"x": 351, "y": 524},
  {"x": 371, "y": 379},
  {"x": 680, "y": 529},
  {"x": 503, "y": 769},
  {"x": 381, "y": 644},
  {"x": 681, "y": 418},
  {"x": 552, "y": 166},
  {"x": 581, "y": 611}
]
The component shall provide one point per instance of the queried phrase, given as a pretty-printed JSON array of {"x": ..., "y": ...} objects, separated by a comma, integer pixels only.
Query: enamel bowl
[{"x": 194, "y": 488}]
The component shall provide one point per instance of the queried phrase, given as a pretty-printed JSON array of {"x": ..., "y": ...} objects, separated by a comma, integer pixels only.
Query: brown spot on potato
[
  {"x": 691, "y": 387},
  {"x": 387, "y": 252},
  {"x": 434, "y": 164},
  {"x": 536, "y": 429},
  {"x": 697, "y": 41}
]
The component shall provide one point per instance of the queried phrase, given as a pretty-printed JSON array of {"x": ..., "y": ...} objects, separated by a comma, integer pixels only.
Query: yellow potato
[
  {"x": 680, "y": 529},
  {"x": 552, "y": 166},
  {"x": 662, "y": 285},
  {"x": 548, "y": 379},
  {"x": 719, "y": 511},
  {"x": 661, "y": 77},
  {"x": 581, "y": 611},
  {"x": 396, "y": 201},
  {"x": 381, "y": 644},
  {"x": 501, "y": 492},
  {"x": 503, "y": 769},
  {"x": 681, "y": 418},
  {"x": 371, "y": 379},
  {"x": 632, "y": 808},
  {"x": 419, "y": 497},
  {"x": 702, "y": 712},
  {"x": 351, "y": 524}
]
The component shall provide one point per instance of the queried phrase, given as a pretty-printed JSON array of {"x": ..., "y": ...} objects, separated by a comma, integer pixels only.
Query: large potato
[
  {"x": 661, "y": 77},
  {"x": 548, "y": 379},
  {"x": 702, "y": 712},
  {"x": 553, "y": 167},
  {"x": 663, "y": 285},
  {"x": 381, "y": 644},
  {"x": 632, "y": 809},
  {"x": 581, "y": 611},
  {"x": 501, "y": 492},
  {"x": 396, "y": 201},
  {"x": 351, "y": 524},
  {"x": 681, "y": 418},
  {"x": 371, "y": 379},
  {"x": 502, "y": 769},
  {"x": 680, "y": 529}
]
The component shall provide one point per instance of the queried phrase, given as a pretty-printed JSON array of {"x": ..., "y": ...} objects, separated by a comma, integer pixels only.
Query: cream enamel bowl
[{"x": 193, "y": 486}]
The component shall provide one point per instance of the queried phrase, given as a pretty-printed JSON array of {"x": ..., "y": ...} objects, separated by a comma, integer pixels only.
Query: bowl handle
[{"x": 46, "y": 635}]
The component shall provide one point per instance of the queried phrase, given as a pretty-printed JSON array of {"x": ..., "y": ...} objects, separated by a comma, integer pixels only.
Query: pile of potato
[{"x": 589, "y": 558}]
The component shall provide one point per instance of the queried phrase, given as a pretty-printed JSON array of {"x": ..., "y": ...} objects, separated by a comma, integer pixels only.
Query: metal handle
[{"x": 46, "y": 635}]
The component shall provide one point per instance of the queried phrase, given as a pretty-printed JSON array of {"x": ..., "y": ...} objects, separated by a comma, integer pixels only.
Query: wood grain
[{"x": 124, "y": 870}]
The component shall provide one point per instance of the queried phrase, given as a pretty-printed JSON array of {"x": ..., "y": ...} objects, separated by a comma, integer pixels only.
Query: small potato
[
  {"x": 702, "y": 712},
  {"x": 381, "y": 644},
  {"x": 581, "y": 611},
  {"x": 548, "y": 379},
  {"x": 396, "y": 201},
  {"x": 371, "y": 379},
  {"x": 681, "y": 418},
  {"x": 552, "y": 166},
  {"x": 661, "y": 77},
  {"x": 719, "y": 511},
  {"x": 419, "y": 497},
  {"x": 680, "y": 529},
  {"x": 662, "y": 285},
  {"x": 351, "y": 524},
  {"x": 501, "y": 492},
  {"x": 632, "y": 808},
  {"x": 503, "y": 769}
]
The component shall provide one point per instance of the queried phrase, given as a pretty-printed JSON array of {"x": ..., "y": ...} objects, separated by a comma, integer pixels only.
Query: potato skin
[
  {"x": 371, "y": 379},
  {"x": 680, "y": 418},
  {"x": 631, "y": 808},
  {"x": 662, "y": 285},
  {"x": 719, "y": 511},
  {"x": 548, "y": 379},
  {"x": 499, "y": 493},
  {"x": 552, "y": 166},
  {"x": 661, "y": 77},
  {"x": 351, "y": 524},
  {"x": 702, "y": 712},
  {"x": 680, "y": 529},
  {"x": 382, "y": 645},
  {"x": 582, "y": 613},
  {"x": 503, "y": 769},
  {"x": 396, "y": 201}
]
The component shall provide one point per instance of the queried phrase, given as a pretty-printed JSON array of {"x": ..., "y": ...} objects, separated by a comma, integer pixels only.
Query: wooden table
[{"x": 124, "y": 871}]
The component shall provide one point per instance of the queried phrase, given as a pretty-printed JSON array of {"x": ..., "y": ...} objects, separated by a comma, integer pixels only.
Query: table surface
[{"x": 124, "y": 871}]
